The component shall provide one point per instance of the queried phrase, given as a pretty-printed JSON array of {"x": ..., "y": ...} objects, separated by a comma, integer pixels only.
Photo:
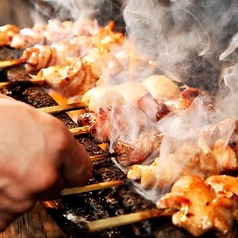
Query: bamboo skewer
[
  {"x": 10, "y": 83},
  {"x": 13, "y": 62},
  {"x": 102, "y": 156},
  {"x": 64, "y": 108},
  {"x": 91, "y": 187},
  {"x": 80, "y": 130},
  {"x": 128, "y": 219}
]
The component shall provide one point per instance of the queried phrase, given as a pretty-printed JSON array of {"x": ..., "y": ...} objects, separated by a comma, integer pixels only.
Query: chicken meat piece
[
  {"x": 103, "y": 63},
  {"x": 107, "y": 38},
  {"x": 167, "y": 168},
  {"x": 200, "y": 207},
  {"x": 193, "y": 199},
  {"x": 27, "y": 37},
  {"x": 139, "y": 149},
  {"x": 43, "y": 56},
  {"x": 226, "y": 202},
  {"x": 6, "y": 34},
  {"x": 226, "y": 157},
  {"x": 161, "y": 87},
  {"x": 121, "y": 94},
  {"x": 113, "y": 123},
  {"x": 45, "y": 34},
  {"x": 74, "y": 78}
]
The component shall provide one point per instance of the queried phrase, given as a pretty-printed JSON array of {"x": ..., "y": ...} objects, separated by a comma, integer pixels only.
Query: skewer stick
[
  {"x": 13, "y": 62},
  {"x": 91, "y": 187},
  {"x": 10, "y": 83},
  {"x": 102, "y": 156},
  {"x": 80, "y": 130},
  {"x": 128, "y": 219},
  {"x": 64, "y": 108}
]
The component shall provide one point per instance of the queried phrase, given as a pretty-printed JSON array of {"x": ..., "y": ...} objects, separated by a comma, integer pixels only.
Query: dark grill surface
[{"x": 72, "y": 212}]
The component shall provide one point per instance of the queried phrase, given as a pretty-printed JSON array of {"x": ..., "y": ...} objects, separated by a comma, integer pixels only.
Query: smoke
[
  {"x": 76, "y": 10},
  {"x": 186, "y": 38},
  {"x": 192, "y": 41}
]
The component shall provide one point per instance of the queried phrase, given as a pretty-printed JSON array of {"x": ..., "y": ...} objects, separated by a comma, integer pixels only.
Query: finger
[{"x": 77, "y": 166}]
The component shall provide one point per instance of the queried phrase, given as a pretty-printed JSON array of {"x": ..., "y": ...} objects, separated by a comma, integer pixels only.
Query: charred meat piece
[{"x": 138, "y": 150}]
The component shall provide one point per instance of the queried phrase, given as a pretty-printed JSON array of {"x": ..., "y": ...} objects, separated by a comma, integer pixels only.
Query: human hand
[{"x": 38, "y": 158}]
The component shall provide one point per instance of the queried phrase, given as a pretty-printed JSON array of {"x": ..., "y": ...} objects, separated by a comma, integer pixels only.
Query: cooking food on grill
[
  {"x": 161, "y": 87},
  {"x": 207, "y": 156},
  {"x": 43, "y": 56},
  {"x": 73, "y": 69},
  {"x": 111, "y": 98},
  {"x": 45, "y": 34},
  {"x": 111, "y": 124},
  {"x": 108, "y": 96},
  {"x": 139, "y": 149},
  {"x": 203, "y": 205},
  {"x": 6, "y": 34},
  {"x": 74, "y": 78}
]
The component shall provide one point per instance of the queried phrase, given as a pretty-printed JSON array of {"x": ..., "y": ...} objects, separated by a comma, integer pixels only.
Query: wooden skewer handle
[
  {"x": 128, "y": 219},
  {"x": 102, "y": 156},
  {"x": 13, "y": 62},
  {"x": 64, "y": 108},
  {"x": 12, "y": 83},
  {"x": 92, "y": 187},
  {"x": 80, "y": 130}
]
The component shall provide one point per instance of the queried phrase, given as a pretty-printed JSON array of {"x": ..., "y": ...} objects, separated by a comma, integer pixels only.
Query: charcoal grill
[{"x": 72, "y": 212}]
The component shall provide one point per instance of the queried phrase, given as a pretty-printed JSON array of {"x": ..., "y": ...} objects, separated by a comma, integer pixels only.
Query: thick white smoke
[{"x": 186, "y": 38}]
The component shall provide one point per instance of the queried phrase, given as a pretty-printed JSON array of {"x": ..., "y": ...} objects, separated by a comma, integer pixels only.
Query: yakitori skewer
[
  {"x": 128, "y": 219},
  {"x": 64, "y": 108},
  {"x": 10, "y": 63},
  {"x": 92, "y": 187}
]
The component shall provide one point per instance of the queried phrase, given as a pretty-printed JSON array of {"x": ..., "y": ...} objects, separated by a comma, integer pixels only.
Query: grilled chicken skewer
[
  {"x": 195, "y": 204},
  {"x": 42, "y": 55},
  {"x": 203, "y": 204},
  {"x": 45, "y": 34},
  {"x": 203, "y": 156}
]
